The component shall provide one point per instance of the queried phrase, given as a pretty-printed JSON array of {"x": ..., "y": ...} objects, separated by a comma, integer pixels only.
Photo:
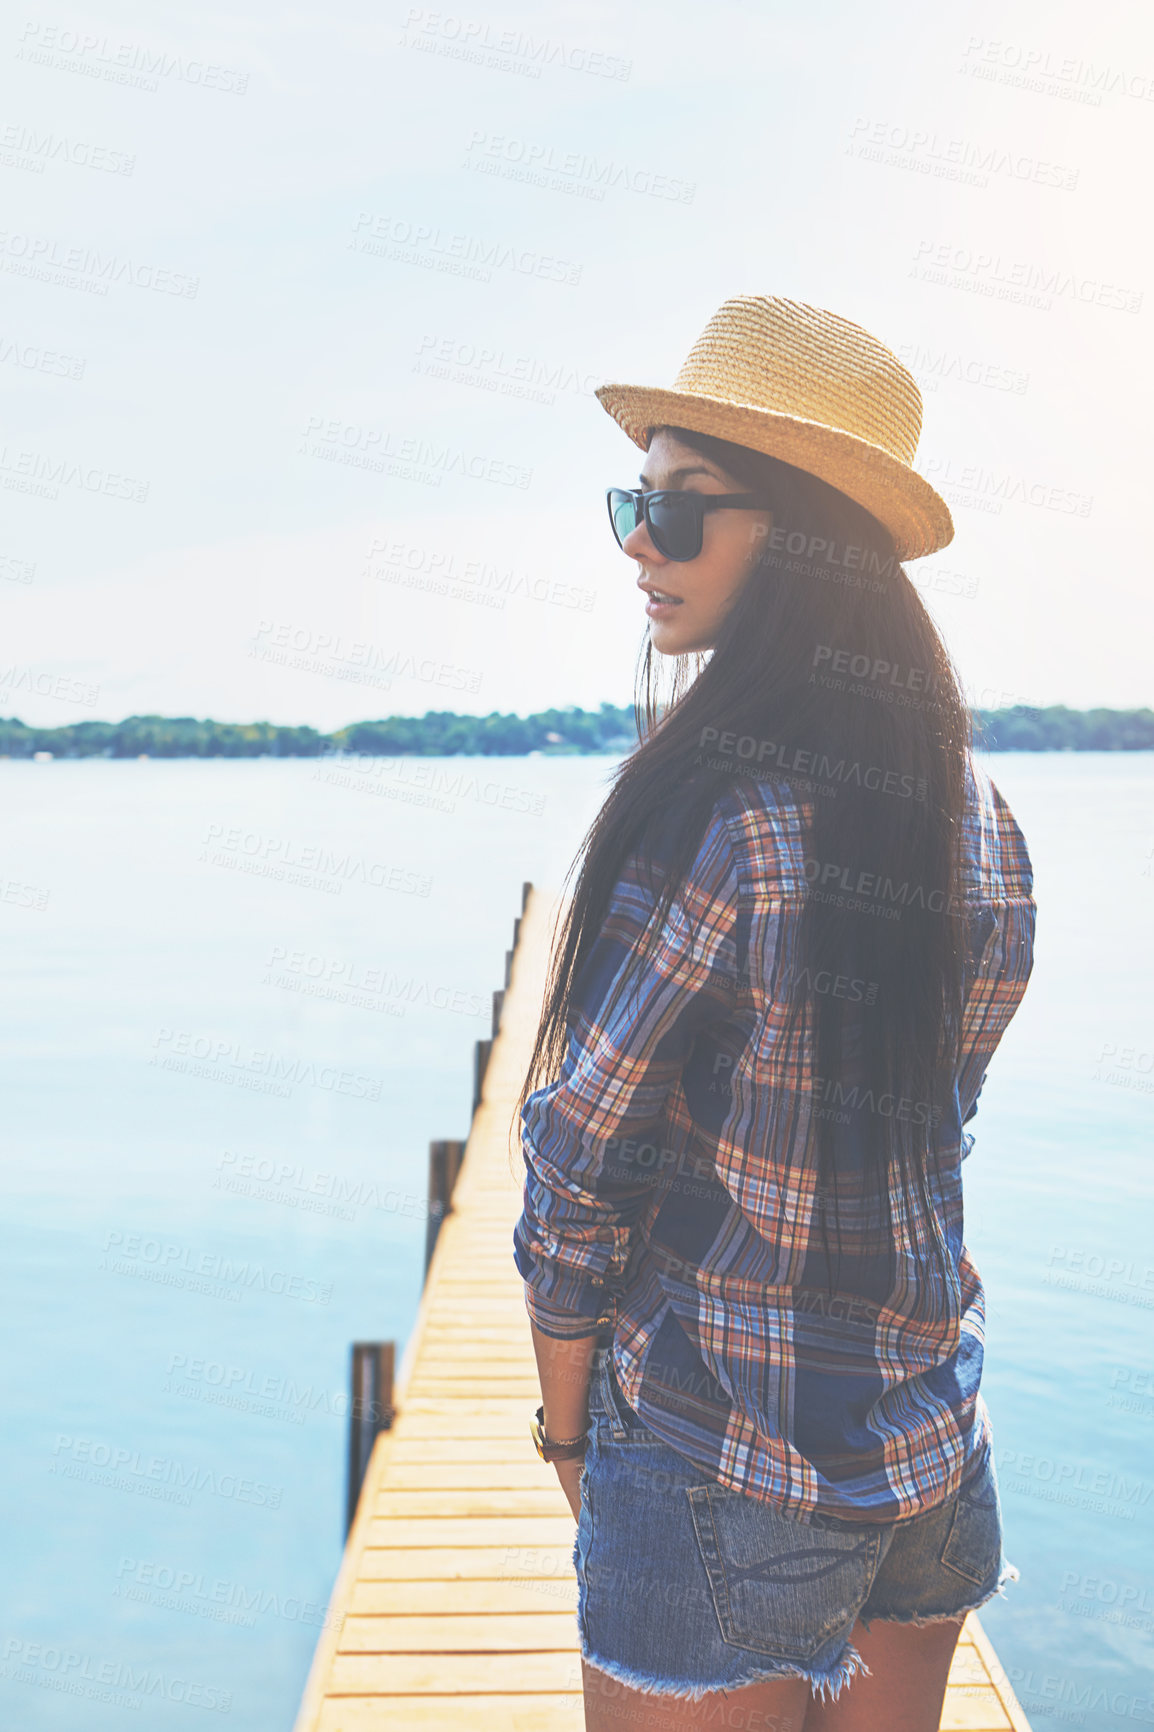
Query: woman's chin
[{"x": 674, "y": 637}]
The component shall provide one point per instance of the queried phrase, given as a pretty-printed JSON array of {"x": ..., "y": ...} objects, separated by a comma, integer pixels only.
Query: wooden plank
[
  {"x": 490, "y": 1531},
  {"x": 475, "y": 1563},
  {"x": 454, "y": 1381},
  {"x": 466, "y": 1385},
  {"x": 493, "y": 1341},
  {"x": 498, "y": 1355},
  {"x": 490, "y": 1632},
  {"x": 498, "y": 1351},
  {"x": 433, "y": 1419},
  {"x": 465, "y": 1261},
  {"x": 485, "y": 1307},
  {"x": 396, "y": 1503},
  {"x": 476, "y": 1335},
  {"x": 485, "y": 1240},
  {"x": 525, "y": 1391},
  {"x": 413, "y": 1446},
  {"x": 974, "y": 1710},
  {"x": 477, "y": 1407},
  {"x": 471, "y": 1382},
  {"x": 492, "y": 1332},
  {"x": 508, "y": 1594},
  {"x": 491, "y": 1428},
  {"x": 417, "y": 1474},
  {"x": 449, "y": 1674},
  {"x": 429, "y": 1713},
  {"x": 967, "y": 1666}
]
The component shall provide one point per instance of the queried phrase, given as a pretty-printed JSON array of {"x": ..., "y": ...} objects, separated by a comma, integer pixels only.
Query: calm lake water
[{"x": 239, "y": 1000}]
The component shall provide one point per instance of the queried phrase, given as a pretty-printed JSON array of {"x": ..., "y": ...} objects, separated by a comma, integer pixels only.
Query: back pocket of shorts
[
  {"x": 780, "y": 1587},
  {"x": 973, "y": 1547}
]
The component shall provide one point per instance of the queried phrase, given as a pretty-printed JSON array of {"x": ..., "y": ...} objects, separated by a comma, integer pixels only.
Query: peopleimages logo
[
  {"x": 121, "y": 62},
  {"x": 310, "y": 864},
  {"x": 824, "y": 981},
  {"x": 122, "y": 1683},
  {"x": 125, "y": 1469},
  {"x": 390, "y": 237},
  {"x": 1045, "y": 70},
  {"x": 837, "y": 1097},
  {"x": 805, "y": 762},
  {"x": 922, "y": 150},
  {"x": 877, "y": 669},
  {"x": 217, "y": 1597},
  {"x": 26, "y": 148},
  {"x": 822, "y": 550},
  {"x": 228, "y": 1060},
  {"x": 481, "y": 43},
  {"x": 1019, "y": 280},
  {"x": 37, "y": 255},
  {"x": 823, "y": 874},
  {"x": 127, "y": 1253},
  {"x": 570, "y": 171}
]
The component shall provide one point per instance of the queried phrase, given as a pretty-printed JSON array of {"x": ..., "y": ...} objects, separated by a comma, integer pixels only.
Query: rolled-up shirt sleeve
[{"x": 628, "y": 1040}]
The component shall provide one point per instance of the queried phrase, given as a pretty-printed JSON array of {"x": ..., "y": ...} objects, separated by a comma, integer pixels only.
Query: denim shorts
[{"x": 685, "y": 1586}]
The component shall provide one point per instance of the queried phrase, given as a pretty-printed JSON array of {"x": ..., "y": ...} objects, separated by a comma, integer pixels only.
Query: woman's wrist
[
  {"x": 572, "y": 1437},
  {"x": 564, "y": 1369}
]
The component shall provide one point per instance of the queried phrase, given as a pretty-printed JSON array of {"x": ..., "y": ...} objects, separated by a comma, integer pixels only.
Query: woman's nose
[{"x": 638, "y": 545}]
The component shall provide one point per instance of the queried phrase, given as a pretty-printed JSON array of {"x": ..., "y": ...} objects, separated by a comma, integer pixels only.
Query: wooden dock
[{"x": 455, "y": 1604}]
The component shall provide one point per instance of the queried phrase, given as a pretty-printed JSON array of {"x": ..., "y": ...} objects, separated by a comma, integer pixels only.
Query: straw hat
[{"x": 811, "y": 388}]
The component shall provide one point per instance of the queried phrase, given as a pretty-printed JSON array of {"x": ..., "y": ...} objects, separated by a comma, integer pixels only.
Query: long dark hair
[{"x": 829, "y": 653}]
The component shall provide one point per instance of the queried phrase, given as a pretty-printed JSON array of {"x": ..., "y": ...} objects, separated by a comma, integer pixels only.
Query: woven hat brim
[{"x": 911, "y": 509}]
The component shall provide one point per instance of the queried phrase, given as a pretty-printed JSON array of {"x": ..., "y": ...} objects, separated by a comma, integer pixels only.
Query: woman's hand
[{"x": 569, "y": 1473}]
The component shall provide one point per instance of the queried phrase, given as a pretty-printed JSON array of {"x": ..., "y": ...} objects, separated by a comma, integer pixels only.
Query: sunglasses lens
[
  {"x": 623, "y": 513},
  {"x": 675, "y": 526}
]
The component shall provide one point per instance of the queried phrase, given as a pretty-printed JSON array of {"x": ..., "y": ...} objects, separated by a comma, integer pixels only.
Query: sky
[{"x": 304, "y": 312}]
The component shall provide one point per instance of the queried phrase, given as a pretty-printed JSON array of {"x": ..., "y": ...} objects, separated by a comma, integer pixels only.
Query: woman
[{"x": 802, "y": 924}]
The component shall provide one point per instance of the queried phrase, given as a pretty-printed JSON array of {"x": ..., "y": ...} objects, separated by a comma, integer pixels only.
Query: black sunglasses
[{"x": 674, "y": 518}]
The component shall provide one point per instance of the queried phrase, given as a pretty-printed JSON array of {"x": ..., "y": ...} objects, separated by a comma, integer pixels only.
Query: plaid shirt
[{"x": 670, "y": 1180}]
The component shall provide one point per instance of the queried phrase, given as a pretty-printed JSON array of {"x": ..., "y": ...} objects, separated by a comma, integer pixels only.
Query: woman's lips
[{"x": 658, "y": 606}]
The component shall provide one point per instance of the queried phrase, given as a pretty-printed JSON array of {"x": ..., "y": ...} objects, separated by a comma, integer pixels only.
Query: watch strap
[{"x": 556, "y": 1449}]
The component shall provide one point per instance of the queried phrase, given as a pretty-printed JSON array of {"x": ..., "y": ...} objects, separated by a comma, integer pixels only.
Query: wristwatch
[{"x": 554, "y": 1449}]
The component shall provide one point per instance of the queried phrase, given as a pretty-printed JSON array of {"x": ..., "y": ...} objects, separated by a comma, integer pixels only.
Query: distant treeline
[{"x": 441, "y": 733}]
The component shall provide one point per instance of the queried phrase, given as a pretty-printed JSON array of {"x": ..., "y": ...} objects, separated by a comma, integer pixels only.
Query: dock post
[
  {"x": 481, "y": 1051},
  {"x": 370, "y": 1411},
  {"x": 444, "y": 1164},
  {"x": 526, "y": 891}
]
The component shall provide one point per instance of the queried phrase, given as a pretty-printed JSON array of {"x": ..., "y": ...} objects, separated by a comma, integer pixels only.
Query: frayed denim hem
[
  {"x": 820, "y": 1683},
  {"x": 1010, "y": 1573},
  {"x": 833, "y": 1681}
]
